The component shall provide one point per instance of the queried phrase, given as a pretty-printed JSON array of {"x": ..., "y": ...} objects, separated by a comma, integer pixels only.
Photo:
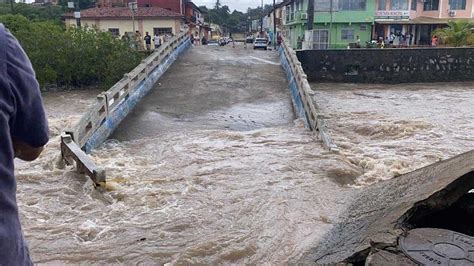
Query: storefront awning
[
  {"x": 422, "y": 20},
  {"x": 393, "y": 21}
]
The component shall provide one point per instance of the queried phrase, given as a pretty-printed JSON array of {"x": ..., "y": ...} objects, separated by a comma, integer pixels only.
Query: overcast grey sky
[{"x": 240, "y": 5}]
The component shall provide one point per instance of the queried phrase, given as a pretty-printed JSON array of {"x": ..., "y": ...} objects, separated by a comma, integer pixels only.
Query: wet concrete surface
[{"x": 214, "y": 88}]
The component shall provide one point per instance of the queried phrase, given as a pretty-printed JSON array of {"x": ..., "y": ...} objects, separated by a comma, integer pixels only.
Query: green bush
[
  {"x": 457, "y": 33},
  {"x": 74, "y": 57}
]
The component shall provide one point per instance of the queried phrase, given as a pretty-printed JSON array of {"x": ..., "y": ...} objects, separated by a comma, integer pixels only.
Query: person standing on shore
[
  {"x": 434, "y": 41},
  {"x": 23, "y": 133}
]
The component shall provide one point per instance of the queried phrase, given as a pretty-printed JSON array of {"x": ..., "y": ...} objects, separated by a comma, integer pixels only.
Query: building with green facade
[{"x": 337, "y": 23}]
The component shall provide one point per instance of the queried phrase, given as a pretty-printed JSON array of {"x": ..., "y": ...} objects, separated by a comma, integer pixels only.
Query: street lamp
[{"x": 133, "y": 6}]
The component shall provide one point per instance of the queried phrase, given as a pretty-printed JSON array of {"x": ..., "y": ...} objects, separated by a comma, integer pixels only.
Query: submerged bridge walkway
[
  {"x": 241, "y": 89},
  {"x": 214, "y": 88}
]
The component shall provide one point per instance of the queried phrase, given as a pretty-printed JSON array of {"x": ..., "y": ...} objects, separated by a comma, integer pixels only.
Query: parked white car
[{"x": 260, "y": 43}]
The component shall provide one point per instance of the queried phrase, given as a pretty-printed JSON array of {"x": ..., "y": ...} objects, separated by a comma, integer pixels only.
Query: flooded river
[
  {"x": 225, "y": 190},
  {"x": 389, "y": 130}
]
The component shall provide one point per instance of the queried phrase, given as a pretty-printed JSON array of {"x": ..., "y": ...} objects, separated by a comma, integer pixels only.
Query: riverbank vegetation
[
  {"x": 34, "y": 13},
  {"x": 234, "y": 21},
  {"x": 72, "y": 58},
  {"x": 457, "y": 33}
]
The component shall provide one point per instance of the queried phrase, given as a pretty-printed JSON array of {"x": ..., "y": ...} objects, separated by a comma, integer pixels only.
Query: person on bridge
[
  {"x": 23, "y": 133},
  {"x": 157, "y": 40},
  {"x": 147, "y": 41}
]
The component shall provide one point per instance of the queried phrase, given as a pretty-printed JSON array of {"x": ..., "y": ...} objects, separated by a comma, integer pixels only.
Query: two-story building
[
  {"x": 192, "y": 14},
  {"x": 418, "y": 17},
  {"x": 177, "y": 6},
  {"x": 195, "y": 20},
  {"x": 119, "y": 21},
  {"x": 274, "y": 20},
  {"x": 336, "y": 23}
]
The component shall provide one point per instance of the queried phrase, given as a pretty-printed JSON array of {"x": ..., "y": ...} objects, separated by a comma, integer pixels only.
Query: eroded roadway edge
[{"x": 378, "y": 213}]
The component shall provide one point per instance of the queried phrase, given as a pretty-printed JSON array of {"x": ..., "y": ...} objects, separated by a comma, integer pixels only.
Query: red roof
[{"x": 124, "y": 12}]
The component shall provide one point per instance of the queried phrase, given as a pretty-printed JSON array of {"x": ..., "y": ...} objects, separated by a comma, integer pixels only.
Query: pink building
[{"x": 418, "y": 17}]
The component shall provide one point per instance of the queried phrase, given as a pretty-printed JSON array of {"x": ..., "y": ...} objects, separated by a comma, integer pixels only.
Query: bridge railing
[
  {"x": 312, "y": 113},
  {"x": 73, "y": 140}
]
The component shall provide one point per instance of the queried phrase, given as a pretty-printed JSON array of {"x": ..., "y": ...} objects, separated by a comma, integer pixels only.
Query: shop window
[
  {"x": 289, "y": 12},
  {"x": 457, "y": 4},
  {"x": 324, "y": 5},
  {"x": 431, "y": 5},
  {"x": 318, "y": 39},
  {"x": 292, "y": 12},
  {"x": 162, "y": 31},
  {"x": 115, "y": 32},
  {"x": 399, "y": 5},
  {"x": 363, "y": 27},
  {"x": 298, "y": 5},
  {"x": 347, "y": 34},
  {"x": 352, "y": 5},
  {"x": 382, "y": 5}
]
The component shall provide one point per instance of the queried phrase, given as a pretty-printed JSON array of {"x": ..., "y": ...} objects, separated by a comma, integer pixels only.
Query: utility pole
[
  {"x": 261, "y": 20},
  {"x": 11, "y": 6},
  {"x": 330, "y": 23},
  {"x": 133, "y": 8},
  {"x": 210, "y": 24},
  {"x": 77, "y": 14},
  {"x": 310, "y": 15},
  {"x": 274, "y": 26}
]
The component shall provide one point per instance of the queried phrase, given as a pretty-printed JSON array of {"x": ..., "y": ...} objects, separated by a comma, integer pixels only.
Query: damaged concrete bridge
[{"x": 225, "y": 91}]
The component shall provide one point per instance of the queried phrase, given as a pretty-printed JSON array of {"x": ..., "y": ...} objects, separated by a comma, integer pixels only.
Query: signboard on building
[{"x": 392, "y": 14}]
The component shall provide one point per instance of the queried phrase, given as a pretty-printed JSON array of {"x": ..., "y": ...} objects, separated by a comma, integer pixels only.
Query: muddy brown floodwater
[
  {"x": 226, "y": 190},
  {"x": 389, "y": 130},
  {"x": 199, "y": 190}
]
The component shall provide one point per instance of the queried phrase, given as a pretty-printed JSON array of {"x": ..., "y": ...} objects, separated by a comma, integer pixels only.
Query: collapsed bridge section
[{"x": 436, "y": 196}]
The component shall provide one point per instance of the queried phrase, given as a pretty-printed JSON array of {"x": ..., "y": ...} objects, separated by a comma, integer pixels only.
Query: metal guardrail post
[{"x": 71, "y": 153}]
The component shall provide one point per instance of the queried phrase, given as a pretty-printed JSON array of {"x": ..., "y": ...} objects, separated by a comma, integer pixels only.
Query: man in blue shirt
[{"x": 23, "y": 133}]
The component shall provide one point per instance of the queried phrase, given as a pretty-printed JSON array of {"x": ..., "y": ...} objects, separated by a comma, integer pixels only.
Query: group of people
[
  {"x": 396, "y": 40},
  {"x": 157, "y": 39},
  {"x": 145, "y": 43},
  {"x": 196, "y": 40}
]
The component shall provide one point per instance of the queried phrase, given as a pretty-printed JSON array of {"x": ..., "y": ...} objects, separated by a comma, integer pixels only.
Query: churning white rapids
[
  {"x": 222, "y": 196},
  {"x": 388, "y": 130}
]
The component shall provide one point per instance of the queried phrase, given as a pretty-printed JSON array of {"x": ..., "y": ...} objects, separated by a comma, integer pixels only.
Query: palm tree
[{"x": 457, "y": 33}]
